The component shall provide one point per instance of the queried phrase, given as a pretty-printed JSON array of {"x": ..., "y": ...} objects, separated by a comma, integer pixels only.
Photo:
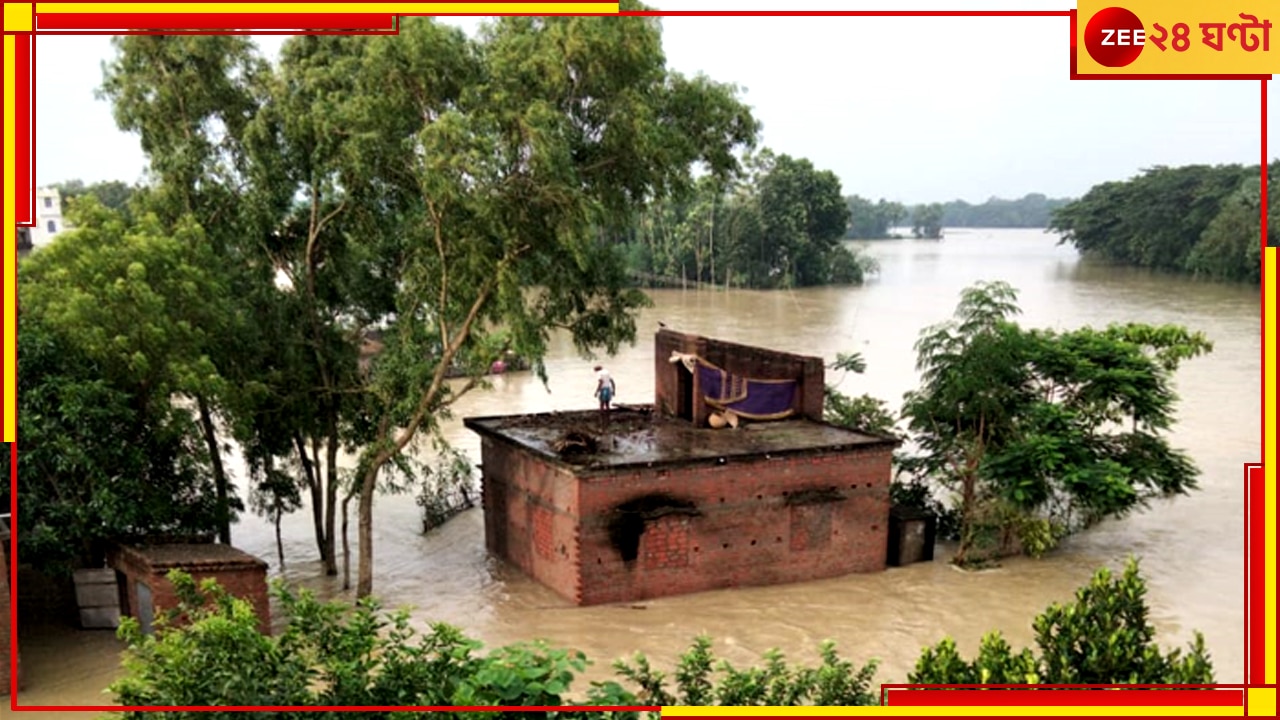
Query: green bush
[
  {"x": 702, "y": 680},
  {"x": 332, "y": 654},
  {"x": 1104, "y": 637}
]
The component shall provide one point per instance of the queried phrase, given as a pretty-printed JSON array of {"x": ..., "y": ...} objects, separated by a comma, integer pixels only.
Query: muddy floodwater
[{"x": 1191, "y": 548}]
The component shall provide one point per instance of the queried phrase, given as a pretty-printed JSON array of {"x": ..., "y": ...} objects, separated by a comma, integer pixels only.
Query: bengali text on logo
[{"x": 1115, "y": 37}]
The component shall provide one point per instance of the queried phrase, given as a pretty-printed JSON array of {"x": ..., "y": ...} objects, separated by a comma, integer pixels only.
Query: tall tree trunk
[
  {"x": 279, "y": 539},
  {"x": 219, "y": 473},
  {"x": 364, "y": 583},
  {"x": 346, "y": 547},
  {"x": 331, "y": 459},
  {"x": 711, "y": 241},
  {"x": 317, "y": 500}
]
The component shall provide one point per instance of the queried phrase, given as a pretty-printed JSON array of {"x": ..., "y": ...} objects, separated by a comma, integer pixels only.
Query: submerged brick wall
[
  {"x": 649, "y": 532},
  {"x": 758, "y": 522},
  {"x": 245, "y": 578},
  {"x": 530, "y": 512}
]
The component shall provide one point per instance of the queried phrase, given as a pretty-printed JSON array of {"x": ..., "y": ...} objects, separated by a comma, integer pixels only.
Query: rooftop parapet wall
[{"x": 676, "y": 391}]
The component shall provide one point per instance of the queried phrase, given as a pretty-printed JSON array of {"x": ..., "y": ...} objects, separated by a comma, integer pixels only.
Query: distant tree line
[
  {"x": 873, "y": 221},
  {"x": 1198, "y": 219},
  {"x": 1030, "y": 211}
]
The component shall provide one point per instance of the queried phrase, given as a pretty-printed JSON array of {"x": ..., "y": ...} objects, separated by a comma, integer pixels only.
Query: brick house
[
  {"x": 145, "y": 590},
  {"x": 647, "y": 502}
]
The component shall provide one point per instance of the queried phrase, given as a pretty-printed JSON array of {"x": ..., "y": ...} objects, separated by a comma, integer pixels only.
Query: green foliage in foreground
[
  {"x": 333, "y": 654},
  {"x": 1104, "y": 637}
]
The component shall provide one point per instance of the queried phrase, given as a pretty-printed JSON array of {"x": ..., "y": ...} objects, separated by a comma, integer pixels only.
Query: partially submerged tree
[
  {"x": 455, "y": 193},
  {"x": 498, "y": 186},
  {"x": 1040, "y": 432},
  {"x": 189, "y": 98}
]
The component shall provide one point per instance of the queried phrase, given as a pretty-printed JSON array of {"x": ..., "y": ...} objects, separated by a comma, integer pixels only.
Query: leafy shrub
[
  {"x": 702, "y": 680},
  {"x": 332, "y": 654},
  {"x": 1104, "y": 637}
]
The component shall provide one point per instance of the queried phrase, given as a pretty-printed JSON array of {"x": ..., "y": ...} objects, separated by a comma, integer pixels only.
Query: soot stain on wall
[
  {"x": 627, "y": 521},
  {"x": 815, "y": 496}
]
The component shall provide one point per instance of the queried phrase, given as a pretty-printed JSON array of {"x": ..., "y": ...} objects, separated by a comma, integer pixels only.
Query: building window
[
  {"x": 53, "y": 227},
  {"x": 48, "y": 202}
]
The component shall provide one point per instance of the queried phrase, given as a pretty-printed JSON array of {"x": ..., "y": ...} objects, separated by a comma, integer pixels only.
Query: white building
[{"x": 49, "y": 220}]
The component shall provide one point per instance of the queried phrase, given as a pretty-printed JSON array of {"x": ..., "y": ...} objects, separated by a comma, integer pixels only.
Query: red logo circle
[{"x": 1114, "y": 37}]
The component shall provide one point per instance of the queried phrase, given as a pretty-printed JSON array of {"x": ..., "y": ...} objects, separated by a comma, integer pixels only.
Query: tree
[
  {"x": 1029, "y": 211},
  {"x": 501, "y": 195},
  {"x": 458, "y": 194},
  {"x": 1104, "y": 637},
  {"x": 804, "y": 218},
  {"x": 141, "y": 304},
  {"x": 1042, "y": 433},
  {"x": 856, "y": 413},
  {"x": 1193, "y": 219},
  {"x": 189, "y": 98},
  {"x": 112, "y": 194},
  {"x": 869, "y": 221},
  {"x": 99, "y": 464},
  {"x": 926, "y": 221},
  {"x": 1230, "y": 246}
]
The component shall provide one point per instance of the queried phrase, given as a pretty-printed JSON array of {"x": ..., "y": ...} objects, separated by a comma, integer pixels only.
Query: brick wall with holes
[
  {"x": 744, "y": 360},
  {"x": 531, "y": 515},
  {"x": 753, "y": 522}
]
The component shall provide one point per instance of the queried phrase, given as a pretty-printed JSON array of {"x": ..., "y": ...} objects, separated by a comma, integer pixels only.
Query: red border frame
[
  {"x": 24, "y": 121},
  {"x": 323, "y": 23}
]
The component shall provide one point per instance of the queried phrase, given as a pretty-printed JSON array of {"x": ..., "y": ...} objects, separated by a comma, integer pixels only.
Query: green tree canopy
[
  {"x": 1197, "y": 219},
  {"x": 96, "y": 468},
  {"x": 455, "y": 194},
  {"x": 1043, "y": 432}
]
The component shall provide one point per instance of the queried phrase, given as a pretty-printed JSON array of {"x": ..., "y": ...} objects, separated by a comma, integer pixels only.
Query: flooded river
[{"x": 1191, "y": 548}]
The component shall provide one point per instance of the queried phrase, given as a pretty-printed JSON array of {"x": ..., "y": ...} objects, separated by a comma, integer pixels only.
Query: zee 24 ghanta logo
[{"x": 1115, "y": 36}]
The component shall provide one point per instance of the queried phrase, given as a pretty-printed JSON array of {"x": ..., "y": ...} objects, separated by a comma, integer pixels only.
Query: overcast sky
[{"x": 912, "y": 109}]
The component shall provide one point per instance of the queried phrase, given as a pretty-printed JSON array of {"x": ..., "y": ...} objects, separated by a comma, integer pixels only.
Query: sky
[{"x": 914, "y": 109}]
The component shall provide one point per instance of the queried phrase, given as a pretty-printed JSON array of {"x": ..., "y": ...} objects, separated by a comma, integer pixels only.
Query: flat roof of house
[
  {"x": 193, "y": 556},
  {"x": 631, "y": 436}
]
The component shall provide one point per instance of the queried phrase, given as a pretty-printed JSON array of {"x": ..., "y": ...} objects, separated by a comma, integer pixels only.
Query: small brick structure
[
  {"x": 658, "y": 504},
  {"x": 145, "y": 590}
]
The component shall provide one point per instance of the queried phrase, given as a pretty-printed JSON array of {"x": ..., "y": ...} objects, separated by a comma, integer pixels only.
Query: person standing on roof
[{"x": 605, "y": 387}]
